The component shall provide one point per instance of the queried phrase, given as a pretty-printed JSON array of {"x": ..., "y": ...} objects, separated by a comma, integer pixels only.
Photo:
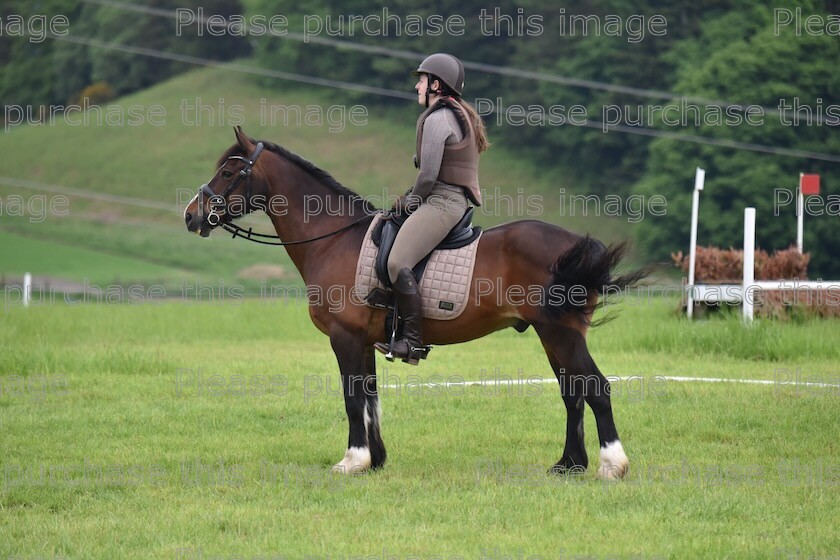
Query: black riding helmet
[{"x": 444, "y": 67}]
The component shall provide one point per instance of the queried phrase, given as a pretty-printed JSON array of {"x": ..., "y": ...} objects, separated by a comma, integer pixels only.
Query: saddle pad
[{"x": 445, "y": 285}]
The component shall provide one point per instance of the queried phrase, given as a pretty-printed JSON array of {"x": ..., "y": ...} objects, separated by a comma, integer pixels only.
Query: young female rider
[{"x": 450, "y": 135}]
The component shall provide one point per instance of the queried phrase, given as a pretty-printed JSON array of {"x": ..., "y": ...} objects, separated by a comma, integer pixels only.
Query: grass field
[
  {"x": 23, "y": 254},
  {"x": 119, "y": 442}
]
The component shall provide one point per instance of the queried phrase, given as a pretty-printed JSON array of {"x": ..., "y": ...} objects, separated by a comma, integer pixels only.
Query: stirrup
[{"x": 415, "y": 353}]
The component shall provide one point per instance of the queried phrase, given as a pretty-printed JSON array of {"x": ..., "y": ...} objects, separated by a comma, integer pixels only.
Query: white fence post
[
  {"x": 27, "y": 289},
  {"x": 699, "y": 178},
  {"x": 748, "y": 288}
]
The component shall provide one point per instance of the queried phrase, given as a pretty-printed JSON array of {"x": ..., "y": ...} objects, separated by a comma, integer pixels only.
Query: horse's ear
[{"x": 243, "y": 140}]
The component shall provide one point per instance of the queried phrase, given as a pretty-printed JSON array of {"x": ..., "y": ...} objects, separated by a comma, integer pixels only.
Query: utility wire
[
  {"x": 94, "y": 195},
  {"x": 489, "y": 68},
  {"x": 643, "y": 131},
  {"x": 81, "y": 193},
  {"x": 189, "y": 59}
]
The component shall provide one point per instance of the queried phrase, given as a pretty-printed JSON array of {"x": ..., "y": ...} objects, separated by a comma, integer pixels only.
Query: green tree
[
  {"x": 756, "y": 66},
  {"x": 127, "y": 72},
  {"x": 28, "y": 66},
  {"x": 37, "y": 72}
]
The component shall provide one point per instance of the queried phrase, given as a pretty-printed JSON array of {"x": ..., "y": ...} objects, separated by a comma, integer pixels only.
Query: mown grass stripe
[{"x": 681, "y": 379}]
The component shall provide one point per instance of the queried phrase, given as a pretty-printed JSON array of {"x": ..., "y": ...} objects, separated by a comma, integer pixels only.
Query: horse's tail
[{"x": 586, "y": 268}]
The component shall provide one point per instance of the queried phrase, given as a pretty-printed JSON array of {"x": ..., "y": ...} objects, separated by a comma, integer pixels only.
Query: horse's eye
[{"x": 227, "y": 174}]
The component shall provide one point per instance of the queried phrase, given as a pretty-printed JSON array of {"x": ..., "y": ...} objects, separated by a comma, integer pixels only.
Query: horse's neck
[{"x": 303, "y": 209}]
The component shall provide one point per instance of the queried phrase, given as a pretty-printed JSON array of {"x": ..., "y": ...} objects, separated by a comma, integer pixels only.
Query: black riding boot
[{"x": 410, "y": 306}]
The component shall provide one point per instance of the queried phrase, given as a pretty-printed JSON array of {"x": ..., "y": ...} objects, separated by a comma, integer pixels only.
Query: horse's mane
[{"x": 359, "y": 203}]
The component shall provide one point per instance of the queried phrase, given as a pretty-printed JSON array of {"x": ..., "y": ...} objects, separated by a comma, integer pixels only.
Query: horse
[{"x": 322, "y": 224}]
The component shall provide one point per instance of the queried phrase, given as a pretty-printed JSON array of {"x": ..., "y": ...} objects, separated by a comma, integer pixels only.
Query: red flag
[{"x": 809, "y": 183}]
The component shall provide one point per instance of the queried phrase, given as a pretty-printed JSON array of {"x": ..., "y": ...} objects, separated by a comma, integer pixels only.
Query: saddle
[{"x": 385, "y": 233}]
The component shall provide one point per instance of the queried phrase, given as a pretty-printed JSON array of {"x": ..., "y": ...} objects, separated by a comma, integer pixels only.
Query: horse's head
[{"x": 228, "y": 194}]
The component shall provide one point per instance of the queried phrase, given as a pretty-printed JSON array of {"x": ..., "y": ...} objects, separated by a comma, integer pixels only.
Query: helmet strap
[{"x": 431, "y": 78}]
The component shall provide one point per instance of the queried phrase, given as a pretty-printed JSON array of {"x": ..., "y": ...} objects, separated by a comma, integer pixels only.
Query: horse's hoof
[
  {"x": 614, "y": 462},
  {"x": 561, "y": 468},
  {"x": 356, "y": 460}
]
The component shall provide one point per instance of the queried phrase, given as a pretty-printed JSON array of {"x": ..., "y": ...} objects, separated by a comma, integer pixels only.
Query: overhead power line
[
  {"x": 81, "y": 193},
  {"x": 189, "y": 59},
  {"x": 101, "y": 197},
  {"x": 643, "y": 131},
  {"x": 471, "y": 65}
]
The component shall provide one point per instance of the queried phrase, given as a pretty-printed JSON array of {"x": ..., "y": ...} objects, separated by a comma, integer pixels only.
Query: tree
[
  {"x": 52, "y": 72},
  {"x": 753, "y": 65}
]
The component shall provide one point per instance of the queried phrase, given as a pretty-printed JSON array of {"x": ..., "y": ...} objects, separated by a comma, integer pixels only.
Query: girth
[{"x": 385, "y": 233}]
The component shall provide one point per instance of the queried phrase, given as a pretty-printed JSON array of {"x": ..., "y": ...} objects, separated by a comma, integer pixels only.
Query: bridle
[
  {"x": 219, "y": 206},
  {"x": 218, "y": 202}
]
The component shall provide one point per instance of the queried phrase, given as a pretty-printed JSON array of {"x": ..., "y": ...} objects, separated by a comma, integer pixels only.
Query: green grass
[
  {"x": 165, "y": 164},
  {"x": 22, "y": 254},
  {"x": 143, "y": 250},
  {"x": 240, "y": 470}
]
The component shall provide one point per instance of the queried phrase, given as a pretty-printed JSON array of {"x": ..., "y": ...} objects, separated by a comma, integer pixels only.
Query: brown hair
[{"x": 477, "y": 125}]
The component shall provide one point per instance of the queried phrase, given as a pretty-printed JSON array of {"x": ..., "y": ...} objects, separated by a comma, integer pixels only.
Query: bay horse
[{"x": 529, "y": 257}]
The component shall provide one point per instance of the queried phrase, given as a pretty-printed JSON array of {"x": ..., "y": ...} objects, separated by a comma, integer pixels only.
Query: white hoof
[
  {"x": 614, "y": 462},
  {"x": 356, "y": 461}
]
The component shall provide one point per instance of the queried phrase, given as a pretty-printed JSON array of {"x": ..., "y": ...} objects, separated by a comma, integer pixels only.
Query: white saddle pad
[{"x": 445, "y": 285}]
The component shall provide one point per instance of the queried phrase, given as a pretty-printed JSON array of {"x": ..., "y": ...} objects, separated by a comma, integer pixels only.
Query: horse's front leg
[
  {"x": 350, "y": 350},
  {"x": 373, "y": 412}
]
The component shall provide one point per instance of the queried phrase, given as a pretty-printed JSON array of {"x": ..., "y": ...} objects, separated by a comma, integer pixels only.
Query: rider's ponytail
[{"x": 477, "y": 124}]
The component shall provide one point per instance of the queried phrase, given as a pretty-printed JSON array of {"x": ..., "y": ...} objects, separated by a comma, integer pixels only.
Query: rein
[{"x": 248, "y": 234}]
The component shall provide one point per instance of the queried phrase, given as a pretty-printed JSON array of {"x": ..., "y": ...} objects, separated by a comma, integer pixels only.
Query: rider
[{"x": 450, "y": 135}]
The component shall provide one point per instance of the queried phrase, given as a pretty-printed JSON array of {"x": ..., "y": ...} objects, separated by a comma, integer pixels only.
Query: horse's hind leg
[
  {"x": 580, "y": 378},
  {"x": 613, "y": 460}
]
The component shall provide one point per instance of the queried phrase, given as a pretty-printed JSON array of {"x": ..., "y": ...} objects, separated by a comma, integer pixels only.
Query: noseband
[{"x": 218, "y": 202}]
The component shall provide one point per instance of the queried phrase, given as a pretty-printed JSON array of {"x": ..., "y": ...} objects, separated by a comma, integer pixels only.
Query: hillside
[{"x": 125, "y": 179}]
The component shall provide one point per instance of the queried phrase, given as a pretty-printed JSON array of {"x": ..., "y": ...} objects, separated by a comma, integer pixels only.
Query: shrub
[
  {"x": 96, "y": 94},
  {"x": 720, "y": 266}
]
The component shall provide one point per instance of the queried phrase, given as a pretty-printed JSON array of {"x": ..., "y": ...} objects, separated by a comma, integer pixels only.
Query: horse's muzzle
[{"x": 195, "y": 224}]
